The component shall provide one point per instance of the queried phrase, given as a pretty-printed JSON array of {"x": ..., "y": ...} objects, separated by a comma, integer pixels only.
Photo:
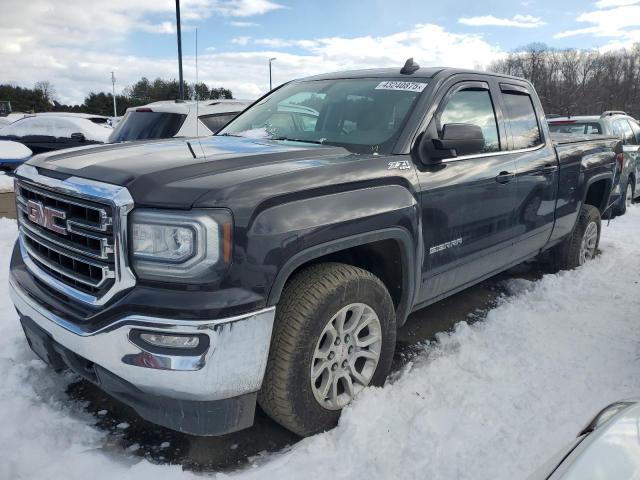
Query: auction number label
[{"x": 406, "y": 86}]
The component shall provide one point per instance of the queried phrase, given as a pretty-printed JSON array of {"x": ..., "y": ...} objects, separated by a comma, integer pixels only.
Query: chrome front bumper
[{"x": 233, "y": 364}]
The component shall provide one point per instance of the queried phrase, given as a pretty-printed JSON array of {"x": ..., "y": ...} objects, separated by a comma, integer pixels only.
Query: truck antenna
[{"x": 409, "y": 67}]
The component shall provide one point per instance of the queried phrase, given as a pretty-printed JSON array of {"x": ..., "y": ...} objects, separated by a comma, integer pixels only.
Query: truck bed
[{"x": 567, "y": 138}]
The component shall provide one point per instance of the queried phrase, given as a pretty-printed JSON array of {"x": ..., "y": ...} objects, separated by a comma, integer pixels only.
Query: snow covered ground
[
  {"x": 492, "y": 400},
  {"x": 6, "y": 183}
]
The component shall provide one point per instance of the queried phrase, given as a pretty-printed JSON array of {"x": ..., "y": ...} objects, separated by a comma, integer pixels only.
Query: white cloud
[
  {"x": 518, "y": 21},
  {"x": 244, "y": 24},
  {"x": 164, "y": 27},
  {"x": 244, "y": 40},
  {"x": 615, "y": 3},
  {"x": 618, "y": 22},
  {"x": 246, "y": 8},
  {"x": 67, "y": 46}
]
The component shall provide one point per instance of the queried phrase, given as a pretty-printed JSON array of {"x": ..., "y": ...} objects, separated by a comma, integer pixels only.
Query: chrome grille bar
[{"x": 105, "y": 273}]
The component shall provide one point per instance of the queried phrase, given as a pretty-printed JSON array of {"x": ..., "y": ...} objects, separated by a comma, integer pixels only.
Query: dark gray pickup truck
[{"x": 273, "y": 263}]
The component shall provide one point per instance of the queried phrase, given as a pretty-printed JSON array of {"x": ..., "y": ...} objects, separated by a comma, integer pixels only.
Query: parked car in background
[
  {"x": 44, "y": 132},
  {"x": 5, "y": 108},
  {"x": 169, "y": 119},
  {"x": 13, "y": 154},
  {"x": 611, "y": 123},
  {"x": 607, "y": 448}
]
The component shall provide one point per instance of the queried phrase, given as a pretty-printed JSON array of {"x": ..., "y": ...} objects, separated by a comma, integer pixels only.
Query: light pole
[
  {"x": 181, "y": 86},
  {"x": 270, "y": 85},
  {"x": 113, "y": 84}
]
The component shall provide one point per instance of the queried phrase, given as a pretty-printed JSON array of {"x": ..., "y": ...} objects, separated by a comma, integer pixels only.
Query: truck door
[
  {"x": 467, "y": 202},
  {"x": 536, "y": 165}
]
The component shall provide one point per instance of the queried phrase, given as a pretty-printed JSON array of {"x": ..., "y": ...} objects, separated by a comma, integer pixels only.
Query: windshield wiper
[{"x": 296, "y": 140}]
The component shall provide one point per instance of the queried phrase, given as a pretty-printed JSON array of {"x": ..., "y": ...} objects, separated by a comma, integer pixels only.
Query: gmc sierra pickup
[{"x": 273, "y": 263}]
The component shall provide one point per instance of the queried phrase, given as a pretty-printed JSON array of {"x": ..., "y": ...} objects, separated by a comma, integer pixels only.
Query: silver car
[
  {"x": 607, "y": 449},
  {"x": 611, "y": 123}
]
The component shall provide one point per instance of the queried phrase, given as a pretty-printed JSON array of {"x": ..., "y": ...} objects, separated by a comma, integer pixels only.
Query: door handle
[
  {"x": 549, "y": 169},
  {"x": 505, "y": 177}
]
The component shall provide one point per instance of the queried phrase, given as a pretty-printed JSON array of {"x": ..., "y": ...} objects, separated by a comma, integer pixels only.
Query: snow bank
[
  {"x": 6, "y": 183},
  {"x": 57, "y": 126},
  {"x": 492, "y": 400}
]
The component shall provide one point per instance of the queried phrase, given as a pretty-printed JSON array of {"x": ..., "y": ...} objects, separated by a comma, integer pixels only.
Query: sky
[{"x": 75, "y": 44}]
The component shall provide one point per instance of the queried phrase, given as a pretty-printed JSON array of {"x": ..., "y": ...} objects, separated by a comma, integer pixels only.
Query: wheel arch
[
  {"x": 369, "y": 251},
  {"x": 597, "y": 192}
]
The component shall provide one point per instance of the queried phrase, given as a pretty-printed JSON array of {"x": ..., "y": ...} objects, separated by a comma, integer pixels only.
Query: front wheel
[
  {"x": 334, "y": 335},
  {"x": 582, "y": 245}
]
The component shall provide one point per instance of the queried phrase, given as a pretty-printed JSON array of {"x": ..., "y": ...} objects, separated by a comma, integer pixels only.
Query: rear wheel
[
  {"x": 582, "y": 245},
  {"x": 334, "y": 336}
]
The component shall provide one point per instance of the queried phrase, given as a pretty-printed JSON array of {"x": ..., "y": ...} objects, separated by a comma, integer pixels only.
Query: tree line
[
  {"x": 42, "y": 97},
  {"x": 578, "y": 82}
]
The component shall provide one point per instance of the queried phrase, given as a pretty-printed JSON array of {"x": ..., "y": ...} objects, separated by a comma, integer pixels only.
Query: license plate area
[{"x": 41, "y": 343}]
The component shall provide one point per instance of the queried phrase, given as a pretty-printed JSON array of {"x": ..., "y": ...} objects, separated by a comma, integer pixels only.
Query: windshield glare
[{"x": 362, "y": 115}]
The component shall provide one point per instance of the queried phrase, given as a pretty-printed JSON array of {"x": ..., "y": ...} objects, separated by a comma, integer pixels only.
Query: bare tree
[
  {"x": 578, "y": 82},
  {"x": 46, "y": 89}
]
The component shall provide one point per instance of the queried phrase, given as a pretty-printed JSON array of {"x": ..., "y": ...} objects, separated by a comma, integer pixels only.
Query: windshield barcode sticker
[{"x": 406, "y": 86}]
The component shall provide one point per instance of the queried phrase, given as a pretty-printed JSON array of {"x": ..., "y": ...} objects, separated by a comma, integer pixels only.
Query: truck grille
[
  {"x": 79, "y": 252},
  {"x": 72, "y": 237}
]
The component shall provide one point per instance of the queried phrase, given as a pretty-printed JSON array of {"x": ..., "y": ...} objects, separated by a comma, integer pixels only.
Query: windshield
[
  {"x": 363, "y": 115},
  {"x": 146, "y": 125}
]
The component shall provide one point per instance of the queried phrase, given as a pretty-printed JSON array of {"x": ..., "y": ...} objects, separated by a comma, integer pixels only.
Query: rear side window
[
  {"x": 581, "y": 128},
  {"x": 636, "y": 130},
  {"x": 147, "y": 126},
  {"x": 474, "y": 107},
  {"x": 622, "y": 129},
  {"x": 522, "y": 118},
  {"x": 216, "y": 122}
]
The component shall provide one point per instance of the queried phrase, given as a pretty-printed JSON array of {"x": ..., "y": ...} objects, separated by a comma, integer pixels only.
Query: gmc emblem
[{"x": 46, "y": 216}]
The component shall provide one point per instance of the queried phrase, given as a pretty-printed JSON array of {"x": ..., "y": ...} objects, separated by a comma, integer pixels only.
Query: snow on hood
[
  {"x": 57, "y": 126},
  {"x": 13, "y": 151}
]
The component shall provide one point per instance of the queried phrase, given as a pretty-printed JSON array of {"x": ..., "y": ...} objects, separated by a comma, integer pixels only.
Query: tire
[
  {"x": 627, "y": 198},
  {"x": 570, "y": 253},
  {"x": 310, "y": 303}
]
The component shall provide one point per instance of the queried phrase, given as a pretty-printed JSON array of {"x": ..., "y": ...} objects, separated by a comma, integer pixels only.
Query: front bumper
[{"x": 172, "y": 386}]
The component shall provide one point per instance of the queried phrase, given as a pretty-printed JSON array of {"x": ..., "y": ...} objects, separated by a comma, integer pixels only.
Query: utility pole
[
  {"x": 113, "y": 84},
  {"x": 181, "y": 86},
  {"x": 270, "y": 84}
]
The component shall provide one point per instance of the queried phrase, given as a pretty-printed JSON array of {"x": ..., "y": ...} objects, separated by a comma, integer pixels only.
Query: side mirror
[
  {"x": 78, "y": 137},
  {"x": 460, "y": 139}
]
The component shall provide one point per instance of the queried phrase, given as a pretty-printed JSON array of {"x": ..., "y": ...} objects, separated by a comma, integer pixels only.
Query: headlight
[
  {"x": 162, "y": 242},
  {"x": 171, "y": 245}
]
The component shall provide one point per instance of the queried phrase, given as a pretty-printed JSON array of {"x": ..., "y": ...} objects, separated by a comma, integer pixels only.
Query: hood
[{"x": 170, "y": 173}]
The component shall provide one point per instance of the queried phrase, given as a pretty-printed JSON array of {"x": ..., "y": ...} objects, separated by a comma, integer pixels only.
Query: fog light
[{"x": 170, "y": 341}]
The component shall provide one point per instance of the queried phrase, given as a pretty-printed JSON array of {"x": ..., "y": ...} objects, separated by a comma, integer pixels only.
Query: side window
[
  {"x": 475, "y": 107},
  {"x": 629, "y": 135},
  {"x": 216, "y": 122},
  {"x": 636, "y": 130},
  {"x": 622, "y": 129},
  {"x": 523, "y": 120},
  {"x": 591, "y": 128}
]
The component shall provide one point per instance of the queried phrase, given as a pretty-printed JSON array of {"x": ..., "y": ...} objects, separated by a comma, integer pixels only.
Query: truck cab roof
[{"x": 422, "y": 72}]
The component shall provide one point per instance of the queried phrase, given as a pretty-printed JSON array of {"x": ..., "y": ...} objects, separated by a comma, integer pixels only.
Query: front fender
[{"x": 284, "y": 237}]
